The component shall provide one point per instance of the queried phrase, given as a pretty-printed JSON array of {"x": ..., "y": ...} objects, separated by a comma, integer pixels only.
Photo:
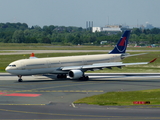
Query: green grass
[
  {"x": 42, "y": 46},
  {"x": 123, "y": 98}
]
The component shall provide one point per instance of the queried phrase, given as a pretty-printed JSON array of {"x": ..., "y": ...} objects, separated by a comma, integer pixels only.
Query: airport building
[{"x": 109, "y": 28}]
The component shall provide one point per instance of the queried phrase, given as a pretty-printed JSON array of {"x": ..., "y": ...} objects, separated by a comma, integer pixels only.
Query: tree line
[{"x": 61, "y": 35}]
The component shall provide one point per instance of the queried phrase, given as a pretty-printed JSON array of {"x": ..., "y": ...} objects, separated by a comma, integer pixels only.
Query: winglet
[
  {"x": 32, "y": 56},
  {"x": 153, "y": 60}
]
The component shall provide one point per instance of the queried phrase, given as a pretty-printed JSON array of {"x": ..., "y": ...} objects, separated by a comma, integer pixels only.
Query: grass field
[
  {"x": 40, "y": 46},
  {"x": 123, "y": 98}
]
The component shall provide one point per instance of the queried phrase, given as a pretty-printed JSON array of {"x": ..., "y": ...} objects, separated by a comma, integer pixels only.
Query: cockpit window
[{"x": 11, "y": 65}]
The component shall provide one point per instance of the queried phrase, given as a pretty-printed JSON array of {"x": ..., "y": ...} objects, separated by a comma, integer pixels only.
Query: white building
[
  {"x": 112, "y": 29},
  {"x": 109, "y": 28},
  {"x": 96, "y": 29}
]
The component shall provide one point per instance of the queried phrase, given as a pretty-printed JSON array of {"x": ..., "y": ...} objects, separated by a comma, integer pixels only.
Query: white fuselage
[{"x": 53, "y": 64}]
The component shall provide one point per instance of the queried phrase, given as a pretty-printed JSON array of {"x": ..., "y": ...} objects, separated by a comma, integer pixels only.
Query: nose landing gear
[{"x": 20, "y": 78}]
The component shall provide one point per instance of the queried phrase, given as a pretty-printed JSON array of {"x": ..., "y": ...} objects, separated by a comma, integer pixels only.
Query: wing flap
[
  {"x": 71, "y": 68},
  {"x": 111, "y": 65}
]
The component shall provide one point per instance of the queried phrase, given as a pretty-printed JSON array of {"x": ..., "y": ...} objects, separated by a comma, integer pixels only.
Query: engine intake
[{"x": 75, "y": 74}]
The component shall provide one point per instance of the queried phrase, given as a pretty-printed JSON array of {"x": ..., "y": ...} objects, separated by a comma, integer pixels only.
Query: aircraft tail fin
[{"x": 122, "y": 44}]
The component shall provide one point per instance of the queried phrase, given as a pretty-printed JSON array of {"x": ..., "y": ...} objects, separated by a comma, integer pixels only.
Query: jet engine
[{"x": 75, "y": 74}]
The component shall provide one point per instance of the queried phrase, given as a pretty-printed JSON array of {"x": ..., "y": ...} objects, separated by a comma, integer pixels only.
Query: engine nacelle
[{"x": 75, "y": 74}]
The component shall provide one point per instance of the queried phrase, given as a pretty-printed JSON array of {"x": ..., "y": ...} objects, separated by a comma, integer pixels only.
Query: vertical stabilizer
[
  {"x": 32, "y": 56},
  {"x": 122, "y": 44}
]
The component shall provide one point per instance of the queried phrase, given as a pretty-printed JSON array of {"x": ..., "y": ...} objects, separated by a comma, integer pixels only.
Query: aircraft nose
[{"x": 7, "y": 69}]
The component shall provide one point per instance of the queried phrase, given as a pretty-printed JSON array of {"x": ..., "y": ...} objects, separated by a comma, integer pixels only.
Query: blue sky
[{"x": 77, "y": 12}]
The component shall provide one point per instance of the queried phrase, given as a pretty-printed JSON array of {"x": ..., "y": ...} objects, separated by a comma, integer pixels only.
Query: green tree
[
  {"x": 136, "y": 31},
  {"x": 18, "y": 37},
  {"x": 155, "y": 31}
]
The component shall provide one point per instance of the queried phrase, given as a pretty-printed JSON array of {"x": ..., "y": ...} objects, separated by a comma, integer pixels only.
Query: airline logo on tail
[
  {"x": 121, "y": 47},
  {"x": 122, "y": 44}
]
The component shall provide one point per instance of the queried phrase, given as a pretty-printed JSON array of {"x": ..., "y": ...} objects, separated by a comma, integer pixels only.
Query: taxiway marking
[{"x": 18, "y": 94}]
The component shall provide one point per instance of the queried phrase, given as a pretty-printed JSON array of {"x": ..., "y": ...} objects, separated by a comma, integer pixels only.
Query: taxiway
[
  {"x": 40, "y": 97},
  {"x": 15, "y": 52}
]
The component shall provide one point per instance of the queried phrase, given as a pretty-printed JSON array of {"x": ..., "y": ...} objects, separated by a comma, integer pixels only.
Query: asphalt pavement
[{"x": 41, "y": 97}]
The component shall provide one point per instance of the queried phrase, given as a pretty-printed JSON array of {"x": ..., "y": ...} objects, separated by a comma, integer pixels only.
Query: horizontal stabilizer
[{"x": 128, "y": 55}]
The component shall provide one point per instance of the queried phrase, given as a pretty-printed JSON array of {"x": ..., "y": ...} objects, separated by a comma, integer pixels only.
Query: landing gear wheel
[
  {"x": 20, "y": 78},
  {"x": 85, "y": 78},
  {"x": 64, "y": 76},
  {"x": 61, "y": 76}
]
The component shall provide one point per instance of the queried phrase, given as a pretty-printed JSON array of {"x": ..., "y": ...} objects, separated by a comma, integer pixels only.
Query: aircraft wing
[{"x": 103, "y": 65}]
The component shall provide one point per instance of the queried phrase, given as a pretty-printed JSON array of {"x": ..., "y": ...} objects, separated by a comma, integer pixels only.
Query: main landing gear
[
  {"x": 20, "y": 78},
  {"x": 61, "y": 76},
  {"x": 85, "y": 78}
]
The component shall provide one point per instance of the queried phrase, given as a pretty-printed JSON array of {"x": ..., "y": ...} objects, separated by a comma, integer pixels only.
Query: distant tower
[
  {"x": 86, "y": 25},
  {"x": 89, "y": 25},
  {"x": 92, "y": 24}
]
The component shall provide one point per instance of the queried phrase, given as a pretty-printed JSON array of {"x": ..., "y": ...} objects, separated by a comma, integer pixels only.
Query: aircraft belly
[{"x": 32, "y": 71}]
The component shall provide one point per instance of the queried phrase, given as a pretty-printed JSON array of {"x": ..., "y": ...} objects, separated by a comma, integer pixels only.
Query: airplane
[{"x": 73, "y": 66}]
